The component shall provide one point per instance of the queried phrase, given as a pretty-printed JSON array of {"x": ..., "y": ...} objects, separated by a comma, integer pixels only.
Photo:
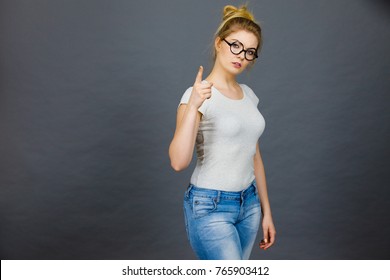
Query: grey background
[{"x": 89, "y": 91}]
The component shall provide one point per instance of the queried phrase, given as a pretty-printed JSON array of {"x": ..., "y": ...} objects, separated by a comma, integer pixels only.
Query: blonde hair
[{"x": 235, "y": 19}]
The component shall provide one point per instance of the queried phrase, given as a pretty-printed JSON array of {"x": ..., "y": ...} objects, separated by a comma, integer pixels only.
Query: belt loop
[
  {"x": 188, "y": 190},
  {"x": 252, "y": 187},
  {"x": 255, "y": 186},
  {"x": 242, "y": 196},
  {"x": 218, "y": 196}
]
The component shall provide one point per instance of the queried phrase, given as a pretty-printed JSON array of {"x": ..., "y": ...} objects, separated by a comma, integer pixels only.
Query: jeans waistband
[{"x": 218, "y": 194}]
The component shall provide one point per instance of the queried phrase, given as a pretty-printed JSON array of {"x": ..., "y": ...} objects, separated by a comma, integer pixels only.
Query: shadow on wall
[{"x": 382, "y": 4}]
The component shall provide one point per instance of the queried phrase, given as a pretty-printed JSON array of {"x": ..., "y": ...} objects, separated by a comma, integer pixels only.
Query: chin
[
  {"x": 237, "y": 71},
  {"x": 234, "y": 71}
]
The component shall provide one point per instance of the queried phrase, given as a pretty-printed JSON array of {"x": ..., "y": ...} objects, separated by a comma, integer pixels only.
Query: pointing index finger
[{"x": 199, "y": 75}]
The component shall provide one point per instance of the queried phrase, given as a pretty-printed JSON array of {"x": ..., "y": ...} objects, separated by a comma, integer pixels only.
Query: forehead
[{"x": 248, "y": 39}]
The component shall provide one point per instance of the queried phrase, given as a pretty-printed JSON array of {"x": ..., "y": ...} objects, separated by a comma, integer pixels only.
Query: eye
[
  {"x": 236, "y": 45},
  {"x": 251, "y": 52}
]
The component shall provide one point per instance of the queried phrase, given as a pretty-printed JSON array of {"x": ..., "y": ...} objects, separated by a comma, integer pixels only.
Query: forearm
[
  {"x": 262, "y": 184},
  {"x": 181, "y": 148}
]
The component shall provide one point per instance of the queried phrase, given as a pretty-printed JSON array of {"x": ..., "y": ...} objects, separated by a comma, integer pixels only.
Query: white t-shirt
[{"x": 226, "y": 140}]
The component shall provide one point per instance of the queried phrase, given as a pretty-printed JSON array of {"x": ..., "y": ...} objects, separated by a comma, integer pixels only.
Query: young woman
[{"x": 221, "y": 205}]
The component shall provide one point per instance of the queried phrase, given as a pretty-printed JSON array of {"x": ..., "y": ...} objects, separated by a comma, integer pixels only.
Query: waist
[{"x": 220, "y": 194}]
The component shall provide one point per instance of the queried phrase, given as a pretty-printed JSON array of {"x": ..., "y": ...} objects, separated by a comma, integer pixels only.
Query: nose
[{"x": 241, "y": 55}]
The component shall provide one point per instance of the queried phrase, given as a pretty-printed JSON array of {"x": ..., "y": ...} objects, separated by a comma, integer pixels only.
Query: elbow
[
  {"x": 177, "y": 166},
  {"x": 178, "y": 163}
]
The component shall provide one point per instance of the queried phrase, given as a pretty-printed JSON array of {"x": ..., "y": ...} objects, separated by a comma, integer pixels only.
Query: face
[{"x": 235, "y": 63}]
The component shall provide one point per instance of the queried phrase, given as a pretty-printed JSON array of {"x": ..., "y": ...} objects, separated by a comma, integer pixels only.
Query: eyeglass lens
[{"x": 237, "y": 47}]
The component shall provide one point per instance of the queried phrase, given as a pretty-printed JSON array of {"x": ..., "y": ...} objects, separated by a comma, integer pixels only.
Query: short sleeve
[
  {"x": 186, "y": 97},
  {"x": 251, "y": 95}
]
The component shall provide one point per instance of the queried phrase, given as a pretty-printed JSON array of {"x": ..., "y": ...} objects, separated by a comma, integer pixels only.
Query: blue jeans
[{"x": 222, "y": 225}]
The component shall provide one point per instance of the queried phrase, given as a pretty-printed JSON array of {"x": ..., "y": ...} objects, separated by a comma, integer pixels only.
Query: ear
[{"x": 217, "y": 43}]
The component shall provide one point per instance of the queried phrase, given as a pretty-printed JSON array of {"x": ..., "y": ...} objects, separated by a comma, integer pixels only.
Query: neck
[{"x": 221, "y": 78}]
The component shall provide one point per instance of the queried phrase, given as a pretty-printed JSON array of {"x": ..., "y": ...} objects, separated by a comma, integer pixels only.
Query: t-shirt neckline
[{"x": 228, "y": 98}]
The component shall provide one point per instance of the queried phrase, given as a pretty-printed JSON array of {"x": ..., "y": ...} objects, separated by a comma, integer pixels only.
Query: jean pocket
[{"x": 203, "y": 206}]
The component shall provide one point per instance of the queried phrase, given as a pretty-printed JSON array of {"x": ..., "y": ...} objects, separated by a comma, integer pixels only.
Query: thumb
[
  {"x": 199, "y": 75},
  {"x": 265, "y": 236}
]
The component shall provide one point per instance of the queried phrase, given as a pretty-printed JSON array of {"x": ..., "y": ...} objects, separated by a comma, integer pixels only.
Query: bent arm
[{"x": 181, "y": 148}]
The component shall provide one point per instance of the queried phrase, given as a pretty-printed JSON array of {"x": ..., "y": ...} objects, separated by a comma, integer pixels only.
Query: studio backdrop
[{"x": 88, "y": 98}]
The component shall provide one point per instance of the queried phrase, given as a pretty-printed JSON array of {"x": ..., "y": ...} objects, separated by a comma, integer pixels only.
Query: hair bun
[{"x": 230, "y": 12}]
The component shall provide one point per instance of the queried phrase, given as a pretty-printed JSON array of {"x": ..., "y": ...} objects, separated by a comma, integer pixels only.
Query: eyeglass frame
[{"x": 243, "y": 49}]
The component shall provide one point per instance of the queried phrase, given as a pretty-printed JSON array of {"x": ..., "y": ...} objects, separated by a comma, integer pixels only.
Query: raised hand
[{"x": 200, "y": 91}]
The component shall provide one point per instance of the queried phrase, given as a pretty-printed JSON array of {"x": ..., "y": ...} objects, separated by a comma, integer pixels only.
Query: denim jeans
[{"x": 222, "y": 225}]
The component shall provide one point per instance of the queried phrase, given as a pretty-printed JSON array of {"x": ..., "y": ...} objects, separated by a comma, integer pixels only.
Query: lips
[{"x": 236, "y": 64}]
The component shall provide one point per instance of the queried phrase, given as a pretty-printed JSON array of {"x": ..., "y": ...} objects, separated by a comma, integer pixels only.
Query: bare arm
[
  {"x": 188, "y": 117},
  {"x": 269, "y": 231},
  {"x": 181, "y": 148}
]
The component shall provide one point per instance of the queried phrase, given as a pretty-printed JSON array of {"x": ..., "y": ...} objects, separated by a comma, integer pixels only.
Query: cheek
[{"x": 225, "y": 53}]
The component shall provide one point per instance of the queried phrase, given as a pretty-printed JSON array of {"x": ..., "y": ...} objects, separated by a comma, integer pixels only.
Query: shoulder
[
  {"x": 186, "y": 97},
  {"x": 250, "y": 93},
  {"x": 188, "y": 91}
]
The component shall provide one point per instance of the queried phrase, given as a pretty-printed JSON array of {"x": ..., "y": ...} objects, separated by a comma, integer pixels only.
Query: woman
[{"x": 221, "y": 205}]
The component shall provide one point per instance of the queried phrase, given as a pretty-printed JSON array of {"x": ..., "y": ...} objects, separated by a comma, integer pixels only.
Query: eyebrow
[{"x": 243, "y": 44}]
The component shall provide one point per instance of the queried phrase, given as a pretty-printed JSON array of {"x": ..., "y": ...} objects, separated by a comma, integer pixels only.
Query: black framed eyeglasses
[{"x": 237, "y": 47}]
